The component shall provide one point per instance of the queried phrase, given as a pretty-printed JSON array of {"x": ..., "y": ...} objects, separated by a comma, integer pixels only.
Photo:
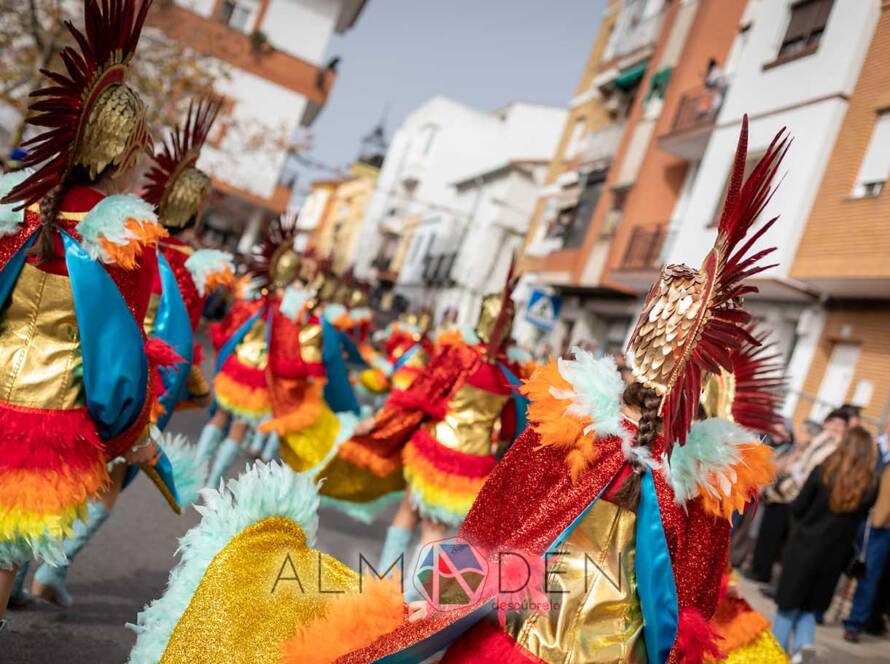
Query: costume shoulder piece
[
  {"x": 294, "y": 301},
  {"x": 117, "y": 228},
  {"x": 210, "y": 269},
  {"x": 575, "y": 402}
]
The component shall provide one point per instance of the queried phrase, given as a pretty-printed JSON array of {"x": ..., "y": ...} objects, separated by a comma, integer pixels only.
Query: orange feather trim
[
  {"x": 350, "y": 622},
  {"x": 755, "y": 469},
  {"x": 303, "y": 416},
  {"x": 550, "y": 421},
  {"x": 359, "y": 455},
  {"x": 232, "y": 394},
  {"x": 127, "y": 255},
  {"x": 50, "y": 492},
  {"x": 222, "y": 279}
]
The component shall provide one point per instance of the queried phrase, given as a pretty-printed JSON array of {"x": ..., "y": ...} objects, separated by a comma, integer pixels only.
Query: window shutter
[{"x": 876, "y": 164}]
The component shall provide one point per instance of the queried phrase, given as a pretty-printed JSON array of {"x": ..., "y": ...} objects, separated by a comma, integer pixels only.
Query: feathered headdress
[
  {"x": 497, "y": 313},
  {"x": 759, "y": 382},
  {"x": 692, "y": 319},
  {"x": 175, "y": 187},
  {"x": 276, "y": 261},
  {"x": 92, "y": 118}
]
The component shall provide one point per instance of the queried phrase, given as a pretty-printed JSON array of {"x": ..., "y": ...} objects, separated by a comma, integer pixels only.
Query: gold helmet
[
  {"x": 692, "y": 319},
  {"x": 176, "y": 187},
  {"x": 277, "y": 262},
  {"x": 95, "y": 119},
  {"x": 496, "y": 314}
]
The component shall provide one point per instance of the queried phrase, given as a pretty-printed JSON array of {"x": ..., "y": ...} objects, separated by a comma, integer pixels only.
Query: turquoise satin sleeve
[
  {"x": 172, "y": 325},
  {"x": 115, "y": 368},
  {"x": 229, "y": 347},
  {"x": 12, "y": 269},
  {"x": 519, "y": 400},
  {"x": 350, "y": 351},
  {"x": 338, "y": 392},
  {"x": 655, "y": 576}
]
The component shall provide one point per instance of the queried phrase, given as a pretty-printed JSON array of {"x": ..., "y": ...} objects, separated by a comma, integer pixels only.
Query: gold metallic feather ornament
[
  {"x": 276, "y": 262},
  {"x": 496, "y": 314},
  {"x": 693, "y": 319},
  {"x": 176, "y": 187},
  {"x": 92, "y": 118}
]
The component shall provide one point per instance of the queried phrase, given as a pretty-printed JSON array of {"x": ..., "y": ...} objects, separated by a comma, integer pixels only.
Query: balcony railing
[
  {"x": 600, "y": 146},
  {"x": 698, "y": 108},
  {"x": 634, "y": 34},
  {"x": 643, "y": 250}
]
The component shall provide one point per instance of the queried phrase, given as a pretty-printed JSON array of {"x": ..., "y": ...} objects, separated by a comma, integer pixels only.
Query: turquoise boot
[
  {"x": 211, "y": 437},
  {"x": 257, "y": 443},
  {"x": 225, "y": 457},
  {"x": 270, "y": 449},
  {"x": 50, "y": 582},
  {"x": 19, "y": 596}
]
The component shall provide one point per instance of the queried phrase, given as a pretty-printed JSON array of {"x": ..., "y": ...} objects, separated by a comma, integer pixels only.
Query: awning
[{"x": 630, "y": 77}]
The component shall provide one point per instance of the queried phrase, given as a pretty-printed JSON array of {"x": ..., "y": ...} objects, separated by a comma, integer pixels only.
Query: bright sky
[{"x": 484, "y": 53}]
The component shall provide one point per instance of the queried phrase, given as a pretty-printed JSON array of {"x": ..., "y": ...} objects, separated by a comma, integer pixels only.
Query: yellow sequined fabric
[
  {"x": 718, "y": 394},
  {"x": 305, "y": 449},
  {"x": 40, "y": 344},
  {"x": 253, "y": 350},
  {"x": 599, "y": 618},
  {"x": 255, "y": 594},
  {"x": 310, "y": 343},
  {"x": 469, "y": 425}
]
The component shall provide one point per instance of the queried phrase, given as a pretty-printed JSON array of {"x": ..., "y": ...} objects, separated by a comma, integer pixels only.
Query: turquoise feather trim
[
  {"x": 189, "y": 472},
  {"x": 46, "y": 549},
  {"x": 263, "y": 491},
  {"x": 294, "y": 301},
  {"x": 204, "y": 263},
  {"x": 107, "y": 221},
  {"x": 596, "y": 392},
  {"x": 711, "y": 450},
  {"x": 363, "y": 512},
  {"x": 10, "y": 218}
]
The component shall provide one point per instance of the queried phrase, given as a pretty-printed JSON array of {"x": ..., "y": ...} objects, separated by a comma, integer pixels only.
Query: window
[
  {"x": 876, "y": 166},
  {"x": 235, "y": 14},
  {"x": 805, "y": 29},
  {"x": 579, "y": 128},
  {"x": 583, "y": 212}
]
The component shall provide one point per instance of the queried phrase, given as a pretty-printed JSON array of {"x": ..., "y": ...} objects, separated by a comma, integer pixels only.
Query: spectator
[
  {"x": 876, "y": 544},
  {"x": 854, "y": 414},
  {"x": 793, "y": 465},
  {"x": 825, "y": 518}
]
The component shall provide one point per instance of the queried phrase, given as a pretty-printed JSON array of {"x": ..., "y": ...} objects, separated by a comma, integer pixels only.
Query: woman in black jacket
[{"x": 825, "y": 517}]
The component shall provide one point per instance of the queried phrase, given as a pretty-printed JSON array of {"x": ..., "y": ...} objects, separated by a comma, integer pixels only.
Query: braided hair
[
  {"x": 648, "y": 401},
  {"x": 44, "y": 248}
]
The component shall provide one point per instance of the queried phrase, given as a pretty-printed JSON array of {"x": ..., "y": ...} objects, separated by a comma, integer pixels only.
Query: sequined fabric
[
  {"x": 267, "y": 575},
  {"x": 598, "y": 619},
  {"x": 40, "y": 344}
]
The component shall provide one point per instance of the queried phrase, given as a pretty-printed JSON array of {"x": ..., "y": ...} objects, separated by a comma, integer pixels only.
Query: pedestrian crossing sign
[{"x": 543, "y": 309}]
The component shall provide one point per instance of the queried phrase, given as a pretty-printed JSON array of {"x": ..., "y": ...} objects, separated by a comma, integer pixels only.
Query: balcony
[
  {"x": 634, "y": 38},
  {"x": 642, "y": 258},
  {"x": 693, "y": 123},
  {"x": 596, "y": 150},
  {"x": 214, "y": 39}
]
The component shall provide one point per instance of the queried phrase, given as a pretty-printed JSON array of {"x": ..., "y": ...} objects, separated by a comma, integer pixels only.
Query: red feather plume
[
  {"x": 723, "y": 323},
  {"x": 182, "y": 149},
  {"x": 111, "y": 33},
  {"x": 760, "y": 383}
]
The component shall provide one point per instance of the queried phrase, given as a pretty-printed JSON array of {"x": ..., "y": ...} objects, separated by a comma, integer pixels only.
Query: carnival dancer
[
  {"x": 439, "y": 437},
  {"x": 178, "y": 191},
  {"x": 75, "y": 274}
]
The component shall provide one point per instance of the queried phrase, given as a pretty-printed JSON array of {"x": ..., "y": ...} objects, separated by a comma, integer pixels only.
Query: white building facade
[
  {"x": 779, "y": 78},
  {"x": 445, "y": 166}
]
